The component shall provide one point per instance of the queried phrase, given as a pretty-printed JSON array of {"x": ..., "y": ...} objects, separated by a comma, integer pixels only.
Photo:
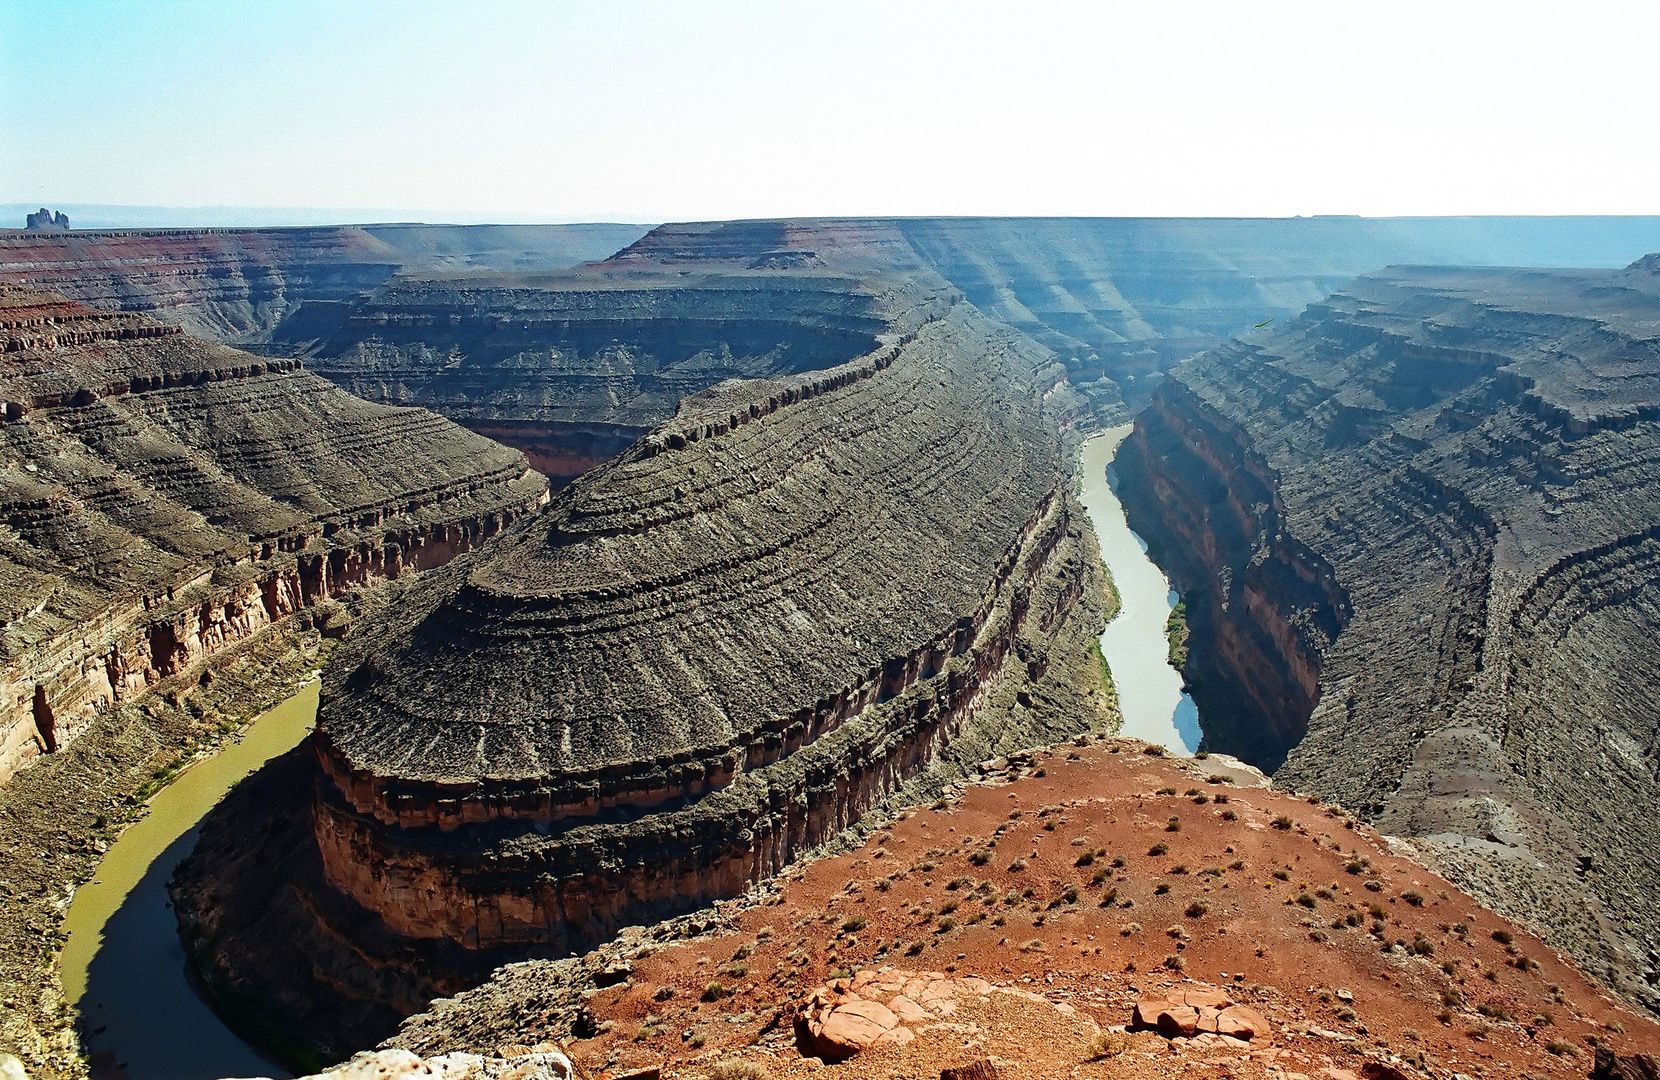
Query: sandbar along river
[
  {"x": 123, "y": 966},
  {"x": 1135, "y": 643}
]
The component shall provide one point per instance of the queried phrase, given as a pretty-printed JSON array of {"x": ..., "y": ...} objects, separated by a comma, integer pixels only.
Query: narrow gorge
[{"x": 1415, "y": 529}]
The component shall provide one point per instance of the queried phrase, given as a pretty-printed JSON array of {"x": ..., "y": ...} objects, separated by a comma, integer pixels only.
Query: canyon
[
  {"x": 705, "y": 658},
  {"x": 1415, "y": 533},
  {"x": 813, "y": 552},
  {"x": 236, "y": 285},
  {"x": 167, "y": 498}
]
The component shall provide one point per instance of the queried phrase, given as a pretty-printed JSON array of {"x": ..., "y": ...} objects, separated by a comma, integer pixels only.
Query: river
[
  {"x": 123, "y": 966},
  {"x": 1135, "y": 643}
]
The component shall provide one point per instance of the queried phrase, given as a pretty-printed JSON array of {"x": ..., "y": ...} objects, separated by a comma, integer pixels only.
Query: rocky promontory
[
  {"x": 1415, "y": 533},
  {"x": 704, "y": 659}
]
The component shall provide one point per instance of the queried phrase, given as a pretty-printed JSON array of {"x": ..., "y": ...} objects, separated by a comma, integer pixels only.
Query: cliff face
[
  {"x": 164, "y": 499},
  {"x": 1416, "y": 534},
  {"x": 705, "y": 658},
  {"x": 572, "y": 368},
  {"x": 235, "y": 285}
]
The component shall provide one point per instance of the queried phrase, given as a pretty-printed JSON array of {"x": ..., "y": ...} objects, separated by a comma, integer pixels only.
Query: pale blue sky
[{"x": 664, "y": 111}]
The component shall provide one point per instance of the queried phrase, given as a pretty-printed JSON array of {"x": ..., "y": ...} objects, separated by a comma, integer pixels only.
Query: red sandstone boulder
[{"x": 1184, "y": 1014}]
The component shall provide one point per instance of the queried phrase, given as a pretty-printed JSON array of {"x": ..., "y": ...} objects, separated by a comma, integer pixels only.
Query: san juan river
[
  {"x": 123, "y": 966},
  {"x": 1135, "y": 642}
]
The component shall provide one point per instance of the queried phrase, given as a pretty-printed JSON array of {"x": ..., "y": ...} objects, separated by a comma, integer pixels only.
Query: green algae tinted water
[
  {"x": 1135, "y": 643},
  {"x": 123, "y": 966}
]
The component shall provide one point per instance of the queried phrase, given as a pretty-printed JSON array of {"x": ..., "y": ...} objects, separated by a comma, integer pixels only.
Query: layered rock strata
[
  {"x": 704, "y": 659},
  {"x": 236, "y": 285},
  {"x": 1415, "y": 531},
  {"x": 164, "y": 499},
  {"x": 545, "y": 362},
  {"x": 572, "y": 368}
]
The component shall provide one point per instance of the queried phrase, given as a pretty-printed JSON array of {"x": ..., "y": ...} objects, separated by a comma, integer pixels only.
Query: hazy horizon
[{"x": 513, "y": 112}]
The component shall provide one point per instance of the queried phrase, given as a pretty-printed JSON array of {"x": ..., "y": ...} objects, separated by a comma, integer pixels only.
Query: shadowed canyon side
[
  {"x": 165, "y": 499},
  {"x": 1416, "y": 535},
  {"x": 701, "y": 661}
]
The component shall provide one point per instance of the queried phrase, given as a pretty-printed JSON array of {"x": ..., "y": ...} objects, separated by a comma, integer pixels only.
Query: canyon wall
[
  {"x": 572, "y": 368},
  {"x": 165, "y": 499},
  {"x": 708, "y": 656},
  {"x": 1415, "y": 533},
  {"x": 236, "y": 285}
]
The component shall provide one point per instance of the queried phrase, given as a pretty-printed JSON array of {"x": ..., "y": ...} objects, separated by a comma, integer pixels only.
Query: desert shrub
[
  {"x": 1413, "y": 897},
  {"x": 1159, "y": 849},
  {"x": 1107, "y": 1044},
  {"x": 914, "y": 948},
  {"x": 1282, "y": 823},
  {"x": 1283, "y": 875},
  {"x": 1085, "y": 859},
  {"x": 1165, "y": 791},
  {"x": 1307, "y": 901},
  {"x": 736, "y": 1069},
  {"x": 1198, "y": 909},
  {"x": 854, "y": 923},
  {"x": 947, "y": 924},
  {"x": 980, "y": 858},
  {"x": 664, "y": 993},
  {"x": 1502, "y": 937},
  {"x": 1174, "y": 962},
  {"x": 1173, "y": 825},
  {"x": 948, "y": 907},
  {"x": 1374, "y": 886},
  {"x": 1017, "y": 866},
  {"x": 1229, "y": 815},
  {"x": 1562, "y": 1048},
  {"x": 715, "y": 991}
]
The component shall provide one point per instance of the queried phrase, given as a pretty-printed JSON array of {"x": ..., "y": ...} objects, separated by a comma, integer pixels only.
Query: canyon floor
[{"x": 1075, "y": 885}]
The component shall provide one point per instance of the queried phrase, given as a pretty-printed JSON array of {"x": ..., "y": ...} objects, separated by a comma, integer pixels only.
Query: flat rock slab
[{"x": 1185, "y": 1014}]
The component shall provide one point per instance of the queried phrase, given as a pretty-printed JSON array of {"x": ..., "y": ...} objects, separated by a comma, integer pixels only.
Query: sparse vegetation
[
  {"x": 1282, "y": 823},
  {"x": 736, "y": 1069},
  {"x": 1175, "y": 628},
  {"x": 715, "y": 991}
]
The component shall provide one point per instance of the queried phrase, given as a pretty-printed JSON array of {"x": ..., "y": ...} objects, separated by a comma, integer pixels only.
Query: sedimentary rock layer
[
  {"x": 237, "y": 284},
  {"x": 704, "y": 659},
  {"x": 1118, "y": 300},
  {"x": 164, "y": 498},
  {"x": 1415, "y": 532},
  {"x": 579, "y": 365}
]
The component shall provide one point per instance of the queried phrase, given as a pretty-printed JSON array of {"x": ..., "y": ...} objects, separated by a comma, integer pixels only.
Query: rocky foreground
[
  {"x": 1415, "y": 533},
  {"x": 1094, "y": 910}
]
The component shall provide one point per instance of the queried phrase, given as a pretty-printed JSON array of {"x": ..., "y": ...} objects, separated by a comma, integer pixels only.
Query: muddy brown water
[
  {"x": 123, "y": 967},
  {"x": 1135, "y": 643}
]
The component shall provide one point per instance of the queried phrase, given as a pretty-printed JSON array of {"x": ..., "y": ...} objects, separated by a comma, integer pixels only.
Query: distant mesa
[{"x": 46, "y": 221}]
